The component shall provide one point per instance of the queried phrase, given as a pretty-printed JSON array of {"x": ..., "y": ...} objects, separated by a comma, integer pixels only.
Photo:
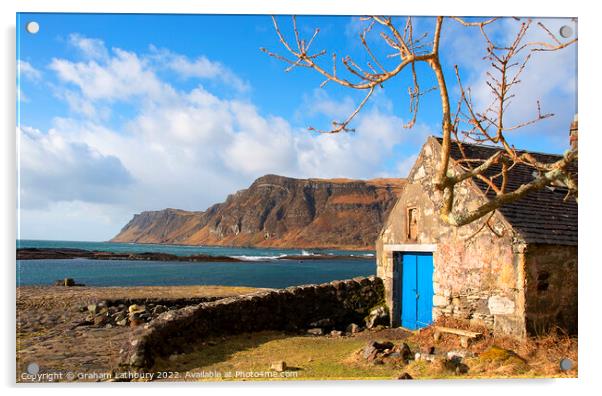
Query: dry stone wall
[
  {"x": 551, "y": 293},
  {"x": 291, "y": 309}
]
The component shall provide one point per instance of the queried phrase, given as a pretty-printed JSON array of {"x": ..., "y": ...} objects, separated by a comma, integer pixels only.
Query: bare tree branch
[{"x": 508, "y": 61}]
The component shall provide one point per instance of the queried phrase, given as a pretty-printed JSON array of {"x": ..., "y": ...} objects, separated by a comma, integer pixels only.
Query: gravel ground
[{"x": 47, "y": 335}]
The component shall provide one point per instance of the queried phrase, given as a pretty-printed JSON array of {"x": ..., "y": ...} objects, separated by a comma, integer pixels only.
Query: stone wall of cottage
[
  {"x": 551, "y": 291},
  {"x": 477, "y": 275},
  {"x": 290, "y": 309}
]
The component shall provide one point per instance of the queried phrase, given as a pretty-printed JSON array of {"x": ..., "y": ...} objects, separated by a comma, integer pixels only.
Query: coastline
[
  {"x": 72, "y": 253},
  {"x": 351, "y": 248},
  {"x": 354, "y": 248},
  {"x": 68, "y": 253}
]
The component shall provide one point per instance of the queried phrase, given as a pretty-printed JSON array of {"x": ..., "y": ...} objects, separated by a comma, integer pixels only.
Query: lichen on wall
[
  {"x": 474, "y": 267},
  {"x": 551, "y": 292}
]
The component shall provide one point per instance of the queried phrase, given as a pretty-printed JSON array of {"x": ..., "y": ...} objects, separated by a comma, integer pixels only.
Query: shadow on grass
[{"x": 213, "y": 350}]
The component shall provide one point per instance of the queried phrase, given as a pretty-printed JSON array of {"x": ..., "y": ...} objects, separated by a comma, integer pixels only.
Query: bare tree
[{"x": 464, "y": 123}]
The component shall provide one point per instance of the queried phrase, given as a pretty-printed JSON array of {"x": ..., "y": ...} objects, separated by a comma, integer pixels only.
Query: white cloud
[
  {"x": 180, "y": 148},
  {"x": 72, "y": 221},
  {"x": 404, "y": 166},
  {"x": 189, "y": 155},
  {"x": 200, "y": 67},
  {"x": 119, "y": 78},
  {"x": 80, "y": 105},
  {"x": 319, "y": 102},
  {"x": 55, "y": 168},
  {"x": 550, "y": 77},
  {"x": 191, "y": 148},
  {"x": 25, "y": 69},
  {"x": 89, "y": 47},
  {"x": 21, "y": 97}
]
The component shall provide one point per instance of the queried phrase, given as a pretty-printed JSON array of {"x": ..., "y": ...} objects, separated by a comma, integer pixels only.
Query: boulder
[
  {"x": 135, "y": 320},
  {"x": 134, "y": 308},
  {"x": 427, "y": 357},
  {"x": 369, "y": 352},
  {"x": 93, "y": 308},
  {"x": 326, "y": 322},
  {"x": 159, "y": 309},
  {"x": 406, "y": 352},
  {"x": 101, "y": 320},
  {"x": 373, "y": 348},
  {"x": 316, "y": 331},
  {"x": 455, "y": 365},
  {"x": 336, "y": 333},
  {"x": 381, "y": 346},
  {"x": 459, "y": 353},
  {"x": 119, "y": 316},
  {"x": 377, "y": 316},
  {"x": 278, "y": 366},
  {"x": 353, "y": 329}
]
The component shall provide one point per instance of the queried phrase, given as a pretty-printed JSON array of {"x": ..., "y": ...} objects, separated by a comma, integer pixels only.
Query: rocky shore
[
  {"x": 66, "y": 253},
  {"x": 66, "y": 329},
  {"x": 324, "y": 257}
]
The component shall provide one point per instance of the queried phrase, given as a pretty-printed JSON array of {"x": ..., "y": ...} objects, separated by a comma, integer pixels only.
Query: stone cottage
[{"x": 517, "y": 275}]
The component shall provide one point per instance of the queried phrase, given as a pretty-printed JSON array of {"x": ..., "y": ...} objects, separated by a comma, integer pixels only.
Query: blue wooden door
[{"x": 417, "y": 290}]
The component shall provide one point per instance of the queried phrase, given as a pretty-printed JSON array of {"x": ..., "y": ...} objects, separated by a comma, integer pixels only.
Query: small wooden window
[{"x": 412, "y": 226}]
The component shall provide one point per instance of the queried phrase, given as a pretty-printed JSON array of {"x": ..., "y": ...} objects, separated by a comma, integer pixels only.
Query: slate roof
[{"x": 541, "y": 216}]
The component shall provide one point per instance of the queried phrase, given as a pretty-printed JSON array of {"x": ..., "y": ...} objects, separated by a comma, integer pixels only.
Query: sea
[{"x": 261, "y": 267}]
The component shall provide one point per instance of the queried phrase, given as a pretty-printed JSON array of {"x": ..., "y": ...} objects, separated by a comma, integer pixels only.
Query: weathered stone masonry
[
  {"x": 496, "y": 276},
  {"x": 291, "y": 309},
  {"x": 551, "y": 293}
]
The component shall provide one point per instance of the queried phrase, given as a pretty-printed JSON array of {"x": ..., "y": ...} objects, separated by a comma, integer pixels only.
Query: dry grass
[
  {"x": 507, "y": 357},
  {"x": 317, "y": 358},
  {"x": 308, "y": 357}
]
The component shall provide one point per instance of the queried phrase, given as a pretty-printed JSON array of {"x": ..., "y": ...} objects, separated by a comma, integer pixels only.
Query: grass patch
[
  {"x": 311, "y": 358},
  {"x": 324, "y": 358}
]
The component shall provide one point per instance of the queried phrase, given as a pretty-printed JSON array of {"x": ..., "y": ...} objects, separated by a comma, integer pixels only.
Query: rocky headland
[{"x": 278, "y": 211}]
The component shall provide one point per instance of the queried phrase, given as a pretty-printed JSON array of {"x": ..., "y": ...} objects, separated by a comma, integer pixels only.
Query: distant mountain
[{"x": 278, "y": 211}]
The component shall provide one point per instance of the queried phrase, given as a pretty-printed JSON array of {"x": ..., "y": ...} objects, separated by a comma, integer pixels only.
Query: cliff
[{"x": 277, "y": 211}]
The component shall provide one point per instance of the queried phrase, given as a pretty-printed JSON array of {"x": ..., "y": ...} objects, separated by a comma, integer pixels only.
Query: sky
[{"x": 118, "y": 114}]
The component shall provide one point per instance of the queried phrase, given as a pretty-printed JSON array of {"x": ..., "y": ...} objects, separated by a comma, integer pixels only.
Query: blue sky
[{"x": 124, "y": 113}]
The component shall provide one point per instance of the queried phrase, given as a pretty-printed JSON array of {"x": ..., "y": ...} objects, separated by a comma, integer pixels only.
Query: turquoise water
[{"x": 260, "y": 270}]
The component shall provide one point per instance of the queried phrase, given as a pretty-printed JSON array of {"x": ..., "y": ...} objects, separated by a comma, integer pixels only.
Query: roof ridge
[{"x": 498, "y": 147}]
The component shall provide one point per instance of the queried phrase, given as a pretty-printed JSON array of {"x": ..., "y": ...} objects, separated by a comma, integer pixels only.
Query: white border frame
[{"x": 590, "y": 81}]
